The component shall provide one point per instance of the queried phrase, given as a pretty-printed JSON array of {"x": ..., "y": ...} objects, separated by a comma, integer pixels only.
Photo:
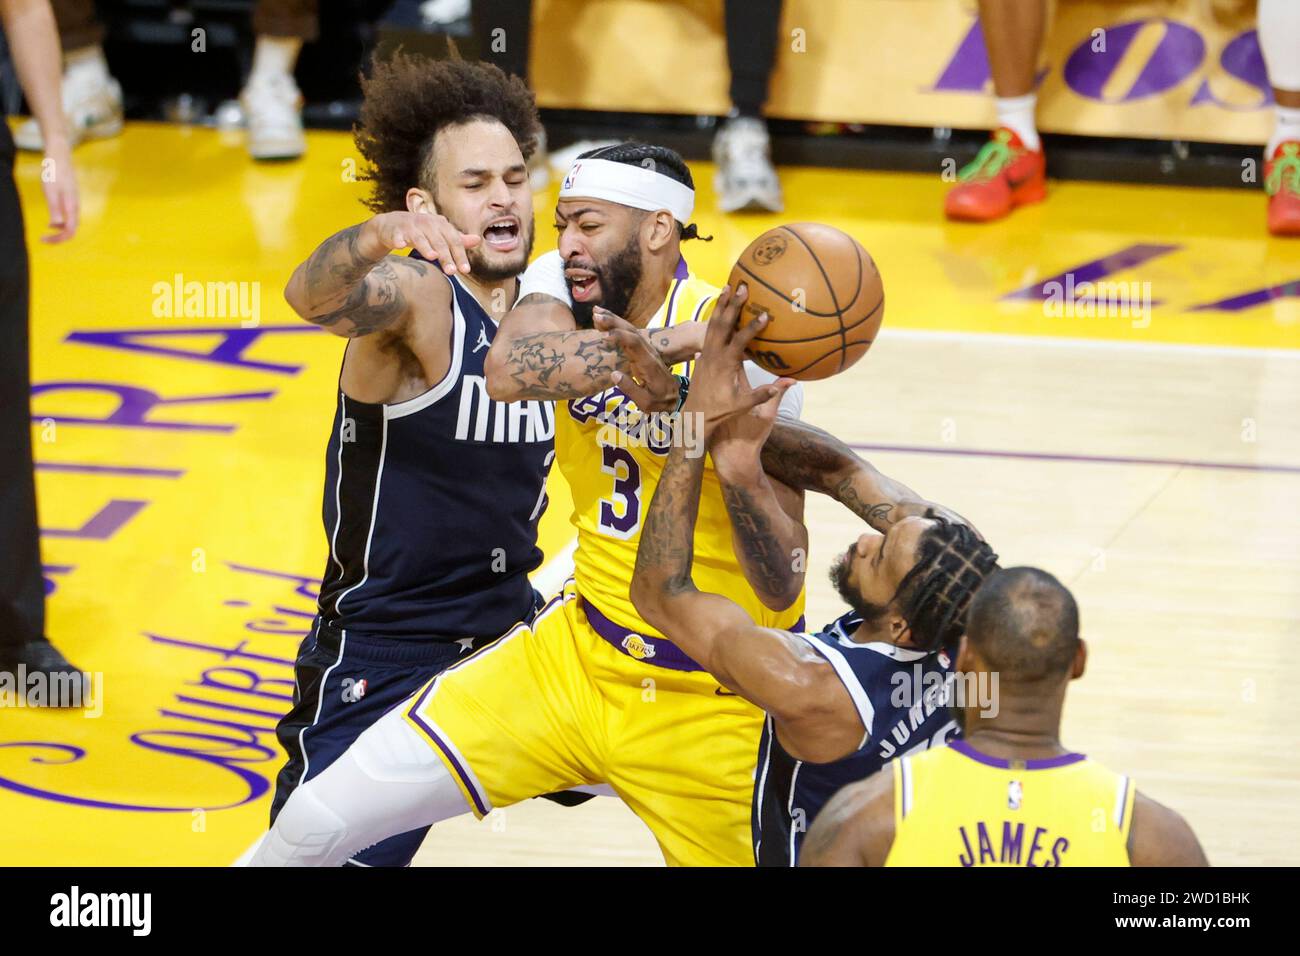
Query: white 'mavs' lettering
[{"x": 527, "y": 421}]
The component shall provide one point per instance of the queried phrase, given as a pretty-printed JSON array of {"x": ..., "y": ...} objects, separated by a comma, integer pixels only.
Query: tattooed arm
[
  {"x": 775, "y": 670},
  {"x": 767, "y": 530},
  {"x": 856, "y": 828},
  {"x": 808, "y": 459},
  {"x": 351, "y": 285},
  {"x": 539, "y": 352}
]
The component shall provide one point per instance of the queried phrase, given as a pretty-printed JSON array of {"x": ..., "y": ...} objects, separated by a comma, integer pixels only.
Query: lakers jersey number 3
[{"x": 955, "y": 806}]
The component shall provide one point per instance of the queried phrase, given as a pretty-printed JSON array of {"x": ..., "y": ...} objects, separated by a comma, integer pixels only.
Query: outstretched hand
[
  {"x": 647, "y": 381},
  {"x": 720, "y": 389}
]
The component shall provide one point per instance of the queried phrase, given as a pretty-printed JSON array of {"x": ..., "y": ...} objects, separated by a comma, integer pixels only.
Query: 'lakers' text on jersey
[
  {"x": 431, "y": 505},
  {"x": 956, "y": 806},
  {"x": 902, "y": 696},
  {"x": 612, "y": 454}
]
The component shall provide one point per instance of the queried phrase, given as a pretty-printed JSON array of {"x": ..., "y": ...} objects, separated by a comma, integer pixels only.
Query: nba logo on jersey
[{"x": 1015, "y": 793}]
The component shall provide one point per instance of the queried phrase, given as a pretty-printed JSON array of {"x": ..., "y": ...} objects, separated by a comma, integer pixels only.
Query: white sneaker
[
  {"x": 746, "y": 179},
  {"x": 93, "y": 105},
  {"x": 562, "y": 160},
  {"x": 273, "y": 107}
]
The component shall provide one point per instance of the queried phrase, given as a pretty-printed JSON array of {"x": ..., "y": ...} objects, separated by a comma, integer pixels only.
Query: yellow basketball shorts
[{"x": 553, "y": 705}]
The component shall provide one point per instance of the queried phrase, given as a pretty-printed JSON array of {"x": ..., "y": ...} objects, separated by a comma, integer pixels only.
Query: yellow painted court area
[{"x": 1151, "y": 461}]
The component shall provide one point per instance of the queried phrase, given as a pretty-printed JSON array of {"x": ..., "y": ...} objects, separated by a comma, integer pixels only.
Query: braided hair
[
  {"x": 660, "y": 159},
  {"x": 934, "y": 596}
]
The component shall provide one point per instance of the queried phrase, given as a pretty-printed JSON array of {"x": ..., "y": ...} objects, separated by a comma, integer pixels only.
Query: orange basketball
[{"x": 824, "y": 295}]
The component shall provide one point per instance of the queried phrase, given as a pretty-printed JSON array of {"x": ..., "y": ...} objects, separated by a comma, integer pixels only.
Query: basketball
[{"x": 823, "y": 293}]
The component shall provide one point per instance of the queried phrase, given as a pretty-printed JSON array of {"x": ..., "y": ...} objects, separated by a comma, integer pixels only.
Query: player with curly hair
[{"x": 432, "y": 491}]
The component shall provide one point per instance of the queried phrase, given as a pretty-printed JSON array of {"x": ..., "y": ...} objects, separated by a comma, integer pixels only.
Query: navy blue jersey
[
  {"x": 901, "y": 695},
  {"x": 431, "y": 505}
]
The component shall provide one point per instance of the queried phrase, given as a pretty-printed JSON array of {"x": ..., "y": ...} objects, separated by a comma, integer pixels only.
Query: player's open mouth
[
  {"x": 503, "y": 234},
  {"x": 584, "y": 286}
]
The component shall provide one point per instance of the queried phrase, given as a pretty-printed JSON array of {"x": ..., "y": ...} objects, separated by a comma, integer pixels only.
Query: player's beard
[
  {"x": 618, "y": 276},
  {"x": 868, "y": 611}
]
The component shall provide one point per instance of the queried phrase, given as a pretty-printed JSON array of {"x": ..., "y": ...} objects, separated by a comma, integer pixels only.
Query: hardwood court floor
[{"x": 1151, "y": 462}]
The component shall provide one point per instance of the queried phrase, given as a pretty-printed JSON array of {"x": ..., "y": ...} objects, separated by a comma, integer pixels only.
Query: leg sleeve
[{"x": 388, "y": 782}]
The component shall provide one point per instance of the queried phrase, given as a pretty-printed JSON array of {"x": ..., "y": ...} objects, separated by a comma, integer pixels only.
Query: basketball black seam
[
  {"x": 858, "y": 291},
  {"x": 785, "y": 298},
  {"x": 814, "y": 338},
  {"x": 839, "y": 313},
  {"x": 788, "y": 374}
]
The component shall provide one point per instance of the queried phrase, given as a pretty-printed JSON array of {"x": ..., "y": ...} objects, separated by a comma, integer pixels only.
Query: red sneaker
[
  {"x": 1003, "y": 175},
  {"x": 1282, "y": 183}
]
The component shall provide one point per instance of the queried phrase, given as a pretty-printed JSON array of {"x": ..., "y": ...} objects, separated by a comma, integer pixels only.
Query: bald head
[{"x": 1024, "y": 624}]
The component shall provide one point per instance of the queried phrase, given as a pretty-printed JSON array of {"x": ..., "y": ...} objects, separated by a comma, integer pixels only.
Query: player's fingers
[
  {"x": 647, "y": 371},
  {"x": 70, "y": 207},
  {"x": 768, "y": 408},
  {"x": 447, "y": 252},
  {"x": 421, "y": 244},
  {"x": 643, "y": 360},
  {"x": 767, "y": 397},
  {"x": 721, "y": 323},
  {"x": 638, "y": 393},
  {"x": 740, "y": 341},
  {"x": 442, "y": 252},
  {"x": 730, "y": 312},
  {"x": 607, "y": 321},
  {"x": 456, "y": 243}
]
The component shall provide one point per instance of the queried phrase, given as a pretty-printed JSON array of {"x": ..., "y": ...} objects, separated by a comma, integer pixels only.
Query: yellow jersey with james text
[
  {"x": 611, "y": 455},
  {"x": 955, "y": 806}
]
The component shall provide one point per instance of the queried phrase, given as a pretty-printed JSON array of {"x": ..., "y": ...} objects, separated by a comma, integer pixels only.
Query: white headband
[{"x": 637, "y": 186}]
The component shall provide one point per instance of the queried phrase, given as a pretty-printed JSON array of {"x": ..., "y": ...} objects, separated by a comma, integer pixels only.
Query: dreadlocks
[
  {"x": 409, "y": 100},
  {"x": 661, "y": 159},
  {"x": 933, "y": 597}
]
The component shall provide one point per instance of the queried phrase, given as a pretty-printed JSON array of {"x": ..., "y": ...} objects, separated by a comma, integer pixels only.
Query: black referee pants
[{"x": 22, "y": 591}]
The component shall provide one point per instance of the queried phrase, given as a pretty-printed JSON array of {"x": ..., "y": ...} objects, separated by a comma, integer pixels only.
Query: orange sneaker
[
  {"x": 1003, "y": 175},
  {"x": 1282, "y": 183}
]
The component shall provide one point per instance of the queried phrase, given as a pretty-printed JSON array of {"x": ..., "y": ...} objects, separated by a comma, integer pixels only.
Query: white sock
[
  {"x": 388, "y": 782},
  {"x": 86, "y": 66},
  {"x": 274, "y": 57},
  {"x": 1279, "y": 41},
  {"x": 1286, "y": 126},
  {"x": 1016, "y": 113}
]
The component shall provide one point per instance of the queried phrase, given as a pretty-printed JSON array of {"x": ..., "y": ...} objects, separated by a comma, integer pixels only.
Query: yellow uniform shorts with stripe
[{"x": 552, "y": 705}]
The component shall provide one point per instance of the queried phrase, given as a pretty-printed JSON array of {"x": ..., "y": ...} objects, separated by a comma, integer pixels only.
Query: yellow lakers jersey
[
  {"x": 954, "y": 806},
  {"x": 611, "y": 455}
]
